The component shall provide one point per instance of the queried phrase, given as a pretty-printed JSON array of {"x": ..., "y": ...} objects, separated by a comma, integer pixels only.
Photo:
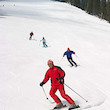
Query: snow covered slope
[{"x": 23, "y": 63}]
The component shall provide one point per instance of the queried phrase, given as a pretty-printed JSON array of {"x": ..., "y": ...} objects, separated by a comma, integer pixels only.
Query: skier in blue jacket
[{"x": 69, "y": 53}]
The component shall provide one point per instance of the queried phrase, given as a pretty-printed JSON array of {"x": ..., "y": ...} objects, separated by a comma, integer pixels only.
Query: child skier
[{"x": 44, "y": 42}]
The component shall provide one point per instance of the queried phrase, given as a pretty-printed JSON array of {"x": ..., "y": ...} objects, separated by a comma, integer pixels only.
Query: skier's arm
[
  {"x": 45, "y": 79},
  {"x": 61, "y": 80},
  {"x": 64, "y": 54},
  {"x": 72, "y": 52},
  {"x": 42, "y": 83},
  {"x": 62, "y": 75}
]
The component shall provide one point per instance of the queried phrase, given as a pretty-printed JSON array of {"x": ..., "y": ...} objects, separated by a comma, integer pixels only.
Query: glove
[
  {"x": 60, "y": 80},
  {"x": 42, "y": 83}
]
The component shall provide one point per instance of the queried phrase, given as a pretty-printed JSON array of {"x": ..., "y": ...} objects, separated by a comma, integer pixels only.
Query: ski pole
[
  {"x": 39, "y": 43},
  {"x": 76, "y": 93},
  {"x": 76, "y": 55},
  {"x": 61, "y": 60},
  {"x": 46, "y": 95}
]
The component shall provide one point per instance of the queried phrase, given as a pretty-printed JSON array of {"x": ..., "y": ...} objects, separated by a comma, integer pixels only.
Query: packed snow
[{"x": 23, "y": 62}]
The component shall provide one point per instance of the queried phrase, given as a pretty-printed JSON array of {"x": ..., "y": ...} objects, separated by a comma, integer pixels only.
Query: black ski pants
[
  {"x": 71, "y": 61},
  {"x": 30, "y": 37}
]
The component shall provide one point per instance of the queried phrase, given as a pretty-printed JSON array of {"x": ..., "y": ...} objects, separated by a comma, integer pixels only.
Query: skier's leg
[
  {"x": 70, "y": 61},
  {"x": 73, "y": 62},
  {"x": 52, "y": 94},
  {"x": 44, "y": 44},
  {"x": 65, "y": 96},
  {"x": 30, "y": 37}
]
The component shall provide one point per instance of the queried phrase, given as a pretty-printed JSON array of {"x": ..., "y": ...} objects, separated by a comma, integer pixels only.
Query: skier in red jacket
[
  {"x": 56, "y": 74},
  {"x": 31, "y": 34}
]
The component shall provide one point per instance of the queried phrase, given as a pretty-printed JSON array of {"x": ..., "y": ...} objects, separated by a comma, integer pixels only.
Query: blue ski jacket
[{"x": 69, "y": 54}]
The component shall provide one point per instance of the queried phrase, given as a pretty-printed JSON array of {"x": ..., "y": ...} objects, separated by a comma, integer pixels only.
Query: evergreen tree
[
  {"x": 73, "y": 2},
  {"x": 108, "y": 10},
  {"x": 84, "y": 4},
  {"x": 96, "y": 7},
  {"x": 100, "y": 8},
  {"x": 76, "y": 3},
  {"x": 103, "y": 9},
  {"x": 90, "y": 6}
]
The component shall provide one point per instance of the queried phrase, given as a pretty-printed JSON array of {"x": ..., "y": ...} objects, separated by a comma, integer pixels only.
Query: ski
[
  {"x": 79, "y": 108},
  {"x": 59, "y": 108},
  {"x": 73, "y": 66},
  {"x": 74, "y": 108}
]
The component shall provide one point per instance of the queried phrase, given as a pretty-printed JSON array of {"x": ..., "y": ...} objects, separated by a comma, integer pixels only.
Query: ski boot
[
  {"x": 73, "y": 106},
  {"x": 59, "y": 105}
]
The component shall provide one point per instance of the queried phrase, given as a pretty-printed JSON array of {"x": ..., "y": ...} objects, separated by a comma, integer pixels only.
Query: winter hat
[
  {"x": 68, "y": 49},
  {"x": 50, "y": 62}
]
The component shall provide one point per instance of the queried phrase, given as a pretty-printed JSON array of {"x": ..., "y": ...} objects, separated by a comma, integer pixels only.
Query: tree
[
  {"x": 100, "y": 8},
  {"x": 96, "y": 7},
  {"x": 84, "y": 4},
  {"x": 103, "y": 9},
  {"x": 108, "y": 10},
  {"x": 77, "y": 2},
  {"x": 90, "y": 6}
]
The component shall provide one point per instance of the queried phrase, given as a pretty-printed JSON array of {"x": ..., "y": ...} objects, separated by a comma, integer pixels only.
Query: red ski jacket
[
  {"x": 31, "y": 34},
  {"x": 54, "y": 73}
]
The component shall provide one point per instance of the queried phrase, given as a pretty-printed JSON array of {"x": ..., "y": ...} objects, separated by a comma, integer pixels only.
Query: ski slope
[{"x": 23, "y": 62}]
